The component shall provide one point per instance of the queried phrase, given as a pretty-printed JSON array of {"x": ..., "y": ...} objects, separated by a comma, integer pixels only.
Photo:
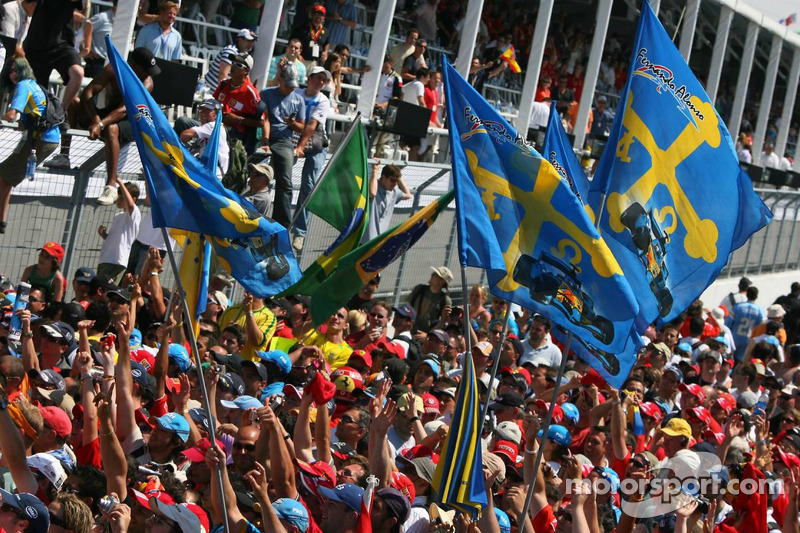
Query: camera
[
  {"x": 107, "y": 504},
  {"x": 458, "y": 312},
  {"x": 702, "y": 505},
  {"x": 218, "y": 369},
  {"x": 276, "y": 402}
]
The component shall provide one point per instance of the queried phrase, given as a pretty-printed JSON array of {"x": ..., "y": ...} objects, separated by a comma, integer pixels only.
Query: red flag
[
  {"x": 365, "y": 518},
  {"x": 748, "y": 508}
]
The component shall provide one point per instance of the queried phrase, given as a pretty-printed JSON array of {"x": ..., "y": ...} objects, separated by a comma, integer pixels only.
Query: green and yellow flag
[
  {"x": 368, "y": 260},
  {"x": 341, "y": 200}
]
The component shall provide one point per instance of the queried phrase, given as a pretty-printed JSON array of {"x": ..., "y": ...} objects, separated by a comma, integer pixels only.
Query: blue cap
[
  {"x": 722, "y": 340},
  {"x": 174, "y": 423},
  {"x": 773, "y": 340},
  {"x": 179, "y": 355},
  {"x": 346, "y": 493},
  {"x": 279, "y": 358},
  {"x": 434, "y": 366},
  {"x": 198, "y": 414},
  {"x": 685, "y": 347},
  {"x": 571, "y": 411},
  {"x": 136, "y": 338},
  {"x": 31, "y": 509},
  {"x": 291, "y": 511},
  {"x": 609, "y": 475},
  {"x": 675, "y": 370},
  {"x": 273, "y": 388},
  {"x": 502, "y": 520},
  {"x": 85, "y": 275},
  {"x": 242, "y": 402},
  {"x": 558, "y": 434}
]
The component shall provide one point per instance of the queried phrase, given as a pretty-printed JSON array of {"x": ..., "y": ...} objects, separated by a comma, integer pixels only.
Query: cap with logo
[
  {"x": 146, "y": 59},
  {"x": 49, "y": 467},
  {"x": 243, "y": 403},
  {"x": 189, "y": 517},
  {"x": 84, "y": 275},
  {"x": 54, "y": 250},
  {"x": 319, "y": 70},
  {"x": 31, "y": 507},
  {"x": 244, "y": 33},
  {"x": 677, "y": 427},
  {"x": 211, "y": 103},
  {"x": 558, "y": 434},
  {"x": 405, "y": 311},
  {"x": 291, "y": 511},
  {"x": 346, "y": 493},
  {"x": 243, "y": 59},
  {"x": 49, "y": 377},
  {"x": 289, "y": 75},
  {"x": 279, "y": 358},
  {"x": 174, "y": 423},
  {"x": 61, "y": 331}
]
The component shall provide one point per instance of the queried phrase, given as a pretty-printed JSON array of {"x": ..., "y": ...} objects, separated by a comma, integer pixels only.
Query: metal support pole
[
  {"x": 267, "y": 37},
  {"x": 766, "y": 98},
  {"x": 198, "y": 362},
  {"x": 534, "y": 65},
  {"x": 788, "y": 105},
  {"x": 780, "y": 232},
  {"x": 451, "y": 242},
  {"x": 689, "y": 25},
  {"x": 745, "y": 66},
  {"x": 496, "y": 362},
  {"x": 377, "y": 51},
  {"x": 791, "y": 235},
  {"x": 124, "y": 23},
  {"x": 469, "y": 36},
  {"x": 592, "y": 70},
  {"x": 656, "y": 5},
  {"x": 778, "y": 198},
  {"x": 718, "y": 55},
  {"x": 540, "y": 452}
]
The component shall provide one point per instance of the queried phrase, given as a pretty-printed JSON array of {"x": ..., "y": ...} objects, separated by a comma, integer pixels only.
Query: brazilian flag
[{"x": 365, "y": 262}]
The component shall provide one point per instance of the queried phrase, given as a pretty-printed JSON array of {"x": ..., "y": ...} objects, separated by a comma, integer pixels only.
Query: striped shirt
[{"x": 226, "y": 55}]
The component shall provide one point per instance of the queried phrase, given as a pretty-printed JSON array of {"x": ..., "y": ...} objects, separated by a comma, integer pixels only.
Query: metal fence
[{"x": 61, "y": 206}]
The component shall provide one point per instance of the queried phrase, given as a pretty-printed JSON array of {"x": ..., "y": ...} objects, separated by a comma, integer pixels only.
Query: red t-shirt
[
  {"x": 89, "y": 454},
  {"x": 545, "y": 520},
  {"x": 240, "y": 101},
  {"x": 541, "y": 94},
  {"x": 431, "y": 101}
]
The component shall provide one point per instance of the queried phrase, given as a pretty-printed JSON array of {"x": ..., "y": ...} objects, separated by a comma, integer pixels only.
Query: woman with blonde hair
[
  {"x": 333, "y": 88},
  {"x": 477, "y": 297}
]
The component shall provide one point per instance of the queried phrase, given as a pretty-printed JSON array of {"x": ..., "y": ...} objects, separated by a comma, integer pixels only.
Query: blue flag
[
  {"x": 458, "y": 479},
  {"x": 558, "y": 150},
  {"x": 185, "y": 194},
  {"x": 521, "y": 222},
  {"x": 676, "y": 202}
]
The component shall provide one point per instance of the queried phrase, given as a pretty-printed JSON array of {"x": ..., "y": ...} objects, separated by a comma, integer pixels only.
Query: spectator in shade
[
  {"x": 390, "y": 85},
  {"x": 293, "y": 49},
  {"x": 45, "y": 273},
  {"x": 429, "y": 300},
  {"x": 314, "y": 38},
  {"x": 161, "y": 37},
  {"x": 401, "y": 51},
  {"x": 27, "y": 102},
  {"x": 50, "y": 45},
  {"x": 426, "y": 18},
  {"x": 341, "y": 19},
  {"x": 414, "y": 93},
  {"x": 220, "y": 68},
  {"x": 240, "y": 102},
  {"x": 259, "y": 185},
  {"x": 285, "y": 115},
  {"x": 333, "y": 88},
  {"x": 603, "y": 117},
  {"x": 195, "y": 134},
  {"x": 247, "y": 14},
  {"x": 108, "y": 123}
]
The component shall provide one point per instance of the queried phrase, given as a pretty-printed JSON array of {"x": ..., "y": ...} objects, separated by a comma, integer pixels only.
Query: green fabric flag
[
  {"x": 344, "y": 183},
  {"x": 347, "y": 183},
  {"x": 365, "y": 262}
]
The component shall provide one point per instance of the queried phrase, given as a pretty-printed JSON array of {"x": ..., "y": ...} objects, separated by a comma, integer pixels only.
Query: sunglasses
[
  {"x": 347, "y": 419},
  {"x": 348, "y": 473},
  {"x": 34, "y": 300},
  {"x": 239, "y": 65},
  {"x": 789, "y": 420},
  {"x": 340, "y": 315},
  {"x": 638, "y": 464},
  {"x": 246, "y": 447}
]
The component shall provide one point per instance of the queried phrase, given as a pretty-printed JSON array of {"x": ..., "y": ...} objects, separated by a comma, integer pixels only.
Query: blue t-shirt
[
  {"x": 30, "y": 101},
  {"x": 167, "y": 46},
  {"x": 743, "y": 318},
  {"x": 278, "y": 108}
]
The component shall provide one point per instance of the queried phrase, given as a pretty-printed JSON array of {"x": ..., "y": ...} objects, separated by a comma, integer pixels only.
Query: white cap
[{"x": 50, "y": 467}]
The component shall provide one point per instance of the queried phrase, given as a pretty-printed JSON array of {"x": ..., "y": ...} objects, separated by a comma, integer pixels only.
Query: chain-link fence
[{"x": 60, "y": 205}]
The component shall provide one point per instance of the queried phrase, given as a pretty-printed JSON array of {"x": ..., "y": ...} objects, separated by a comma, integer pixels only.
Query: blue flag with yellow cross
[
  {"x": 186, "y": 195},
  {"x": 519, "y": 220},
  {"x": 674, "y": 201}
]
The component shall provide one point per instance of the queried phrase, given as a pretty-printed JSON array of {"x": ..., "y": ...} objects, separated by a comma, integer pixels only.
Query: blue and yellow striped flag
[{"x": 458, "y": 480}]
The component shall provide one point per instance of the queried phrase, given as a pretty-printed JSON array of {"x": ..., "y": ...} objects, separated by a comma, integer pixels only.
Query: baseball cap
[
  {"x": 242, "y": 402},
  {"x": 342, "y": 450},
  {"x": 289, "y": 75},
  {"x": 433, "y": 365},
  {"x": 652, "y": 410},
  {"x": 506, "y": 449},
  {"x": 403, "y": 404},
  {"x": 291, "y": 511},
  {"x": 61, "y": 331},
  {"x": 405, "y": 310},
  {"x": 49, "y": 376},
  {"x": 57, "y": 419},
  {"x": 726, "y": 401},
  {"x": 146, "y": 59},
  {"x": 439, "y": 334},
  {"x": 84, "y": 274},
  {"x": 319, "y": 70},
  {"x": 502, "y": 517},
  {"x": 319, "y": 9},
  {"x": 244, "y": 33},
  {"x": 243, "y": 59},
  {"x": 484, "y": 348},
  {"x": 279, "y": 358},
  {"x": 259, "y": 368},
  {"x": 424, "y": 466},
  {"x": 431, "y": 403},
  {"x": 517, "y": 373},
  {"x": 212, "y": 103},
  {"x": 396, "y": 502},
  {"x": 264, "y": 169},
  {"x": 558, "y": 413},
  {"x": 444, "y": 273},
  {"x": 190, "y": 517},
  {"x": 346, "y": 493},
  {"x": 198, "y": 453},
  {"x": 49, "y": 467},
  {"x": 558, "y": 434},
  {"x": 571, "y": 412},
  {"x": 55, "y": 250},
  {"x": 403, "y": 484},
  {"x": 661, "y": 348},
  {"x": 365, "y": 357},
  {"x": 678, "y": 427},
  {"x": 508, "y": 398},
  {"x": 747, "y": 399},
  {"x": 174, "y": 423},
  {"x": 31, "y": 507},
  {"x": 508, "y": 430},
  {"x": 231, "y": 383},
  {"x": 179, "y": 355},
  {"x": 119, "y": 292},
  {"x": 694, "y": 389}
]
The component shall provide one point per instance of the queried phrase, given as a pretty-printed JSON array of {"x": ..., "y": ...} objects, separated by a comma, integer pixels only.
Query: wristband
[
  {"x": 108, "y": 378},
  {"x": 249, "y": 314},
  {"x": 414, "y": 418},
  {"x": 154, "y": 272},
  {"x": 530, "y": 452},
  {"x": 3, "y": 404},
  {"x": 28, "y": 335},
  {"x": 101, "y": 125},
  {"x": 287, "y": 437}
]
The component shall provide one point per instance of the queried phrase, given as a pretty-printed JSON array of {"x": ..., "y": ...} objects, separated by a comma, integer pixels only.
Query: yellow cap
[{"x": 678, "y": 427}]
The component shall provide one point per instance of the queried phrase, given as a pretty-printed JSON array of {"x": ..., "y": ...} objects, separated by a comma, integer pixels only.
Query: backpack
[
  {"x": 54, "y": 114},
  {"x": 236, "y": 177}
]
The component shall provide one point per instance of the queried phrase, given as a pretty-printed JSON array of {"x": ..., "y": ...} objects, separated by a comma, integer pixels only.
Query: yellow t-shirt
[
  {"x": 336, "y": 354},
  {"x": 266, "y": 323}
]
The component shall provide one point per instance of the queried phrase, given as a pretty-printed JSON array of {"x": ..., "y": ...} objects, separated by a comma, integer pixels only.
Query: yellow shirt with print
[
  {"x": 336, "y": 354},
  {"x": 266, "y": 321}
]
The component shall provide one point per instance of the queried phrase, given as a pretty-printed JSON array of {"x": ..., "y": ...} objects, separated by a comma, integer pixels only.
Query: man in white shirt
[
  {"x": 196, "y": 137},
  {"x": 540, "y": 114},
  {"x": 390, "y": 84},
  {"x": 769, "y": 158},
  {"x": 537, "y": 348},
  {"x": 16, "y": 20},
  {"x": 119, "y": 238}
]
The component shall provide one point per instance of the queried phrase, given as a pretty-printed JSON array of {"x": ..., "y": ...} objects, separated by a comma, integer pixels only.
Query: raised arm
[
  {"x": 115, "y": 466},
  {"x": 618, "y": 428},
  {"x": 302, "y": 430},
  {"x": 257, "y": 479},
  {"x": 282, "y": 471},
  {"x": 13, "y": 450},
  {"x": 215, "y": 459},
  {"x": 30, "y": 360},
  {"x": 126, "y": 409}
]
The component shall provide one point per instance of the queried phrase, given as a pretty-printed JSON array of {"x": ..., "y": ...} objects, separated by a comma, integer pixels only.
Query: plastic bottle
[
  {"x": 762, "y": 404},
  {"x": 30, "y": 167}
]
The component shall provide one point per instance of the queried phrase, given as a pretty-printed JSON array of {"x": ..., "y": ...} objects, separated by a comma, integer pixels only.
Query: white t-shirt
[
  {"x": 117, "y": 246},
  {"x": 770, "y": 160},
  {"x": 386, "y": 87},
  {"x": 203, "y": 132},
  {"x": 540, "y": 114},
  {"x": 413, "y": 91}
]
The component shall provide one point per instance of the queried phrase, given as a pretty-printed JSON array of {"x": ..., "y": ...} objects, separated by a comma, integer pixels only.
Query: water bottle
[
  {"x": 30, "y": 167},
  {"x": 15, "y": 327},
  {"x": 762, "y": 404}
]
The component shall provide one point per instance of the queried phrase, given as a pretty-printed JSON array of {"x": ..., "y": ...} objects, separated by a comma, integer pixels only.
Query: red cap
[
  {"x": 392, "y": 348},
  {"x": 55, "y": 250},
  {"x": 319, "y": 9},
  {"x": 506, "y": 449},
  {"x": 727, "y": 402},
  {"x": 420, "y": 450},
  {"x": 521, "y": 371},
  {"x": 558, "y": 412},
  {"x": 403, "y": 483},
  {"x": 57, "y": 419},
  {"x": 144, "y": 497},
  {"x": 364, "y": 356},
  {"x": 173, "y": 385},
  {"x": 198, "y": 453},
  {"x": 694, "y": 389},
  {"x": 652, "y": 410},
  {"x": 701, "y": 413},
  {"x": 144, "y": 358},
  {"x": 713, "y": 437},
  {"x": 322, "y": 472},
  {"x": 789, "y": 459},
  {"x": 431, "y": 403}
]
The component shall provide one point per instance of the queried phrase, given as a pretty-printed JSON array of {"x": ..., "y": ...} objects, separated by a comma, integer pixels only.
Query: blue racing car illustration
[
  {"x": 651, "y": 245},
  {"x": 554, "y": 282},
  {"x": 587, "y": 352}
]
